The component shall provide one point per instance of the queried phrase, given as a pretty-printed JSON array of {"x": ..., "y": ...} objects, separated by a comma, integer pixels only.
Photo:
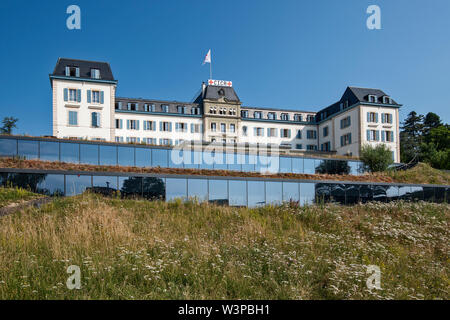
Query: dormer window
[
  {"x": 72, "y": 71},
  {"x": 95, "y": 73},
  {"x": 387, "y": 100},
  {"x": 244, "y": 113},
  {"x": 298, "y": 117},
  {"x": 372, "y": 98},
  {"x": 257, "y": 114},
  {"x": 285, "y": 116},
  {"x": 271, "y": 116},
  {"x": 181, "y": 109},
  {"x": 165, "y": 108},
  {"x": 221, "y": 92}
]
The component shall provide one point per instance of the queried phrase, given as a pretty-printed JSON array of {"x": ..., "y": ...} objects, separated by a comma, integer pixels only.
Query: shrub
[{"x": 377, "y": 158}]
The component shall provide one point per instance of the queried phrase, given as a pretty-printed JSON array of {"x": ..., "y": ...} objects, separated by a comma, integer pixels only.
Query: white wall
[{"x": 61, "y": 108}]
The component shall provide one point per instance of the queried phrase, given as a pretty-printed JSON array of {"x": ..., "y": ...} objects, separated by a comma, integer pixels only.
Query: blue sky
[{"x": 282, "y": 54}]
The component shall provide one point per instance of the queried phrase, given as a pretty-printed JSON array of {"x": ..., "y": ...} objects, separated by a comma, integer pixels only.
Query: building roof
[
  {"x": 216, "y": 93},
  {"x": 85, "y": 68},
  {"x": 362, "y": 94}
]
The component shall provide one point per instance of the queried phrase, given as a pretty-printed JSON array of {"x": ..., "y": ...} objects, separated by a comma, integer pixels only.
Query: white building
[{"x": 85, "y": 106}]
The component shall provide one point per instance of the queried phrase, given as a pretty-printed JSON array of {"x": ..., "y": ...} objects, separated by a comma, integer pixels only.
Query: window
[
  {"x": 196, "y": 128},
  {"x": 387, "y": 136},
  {"x": 149, "y": 125},
  {"x": 73, "y": 118},
  {"x": 346, "y": 139},
  {"x": 345, "y": 104},
  {"x": 119, "y": 123},
  {"x": 165, "y": 108},
  {"x": 373, "y": 135},
  {"x": 372, "y": 117},
  {"x": 149, "y": 140},
  {"x": 386, "y": 118},
  {"x": 285, "y": 133},
  {"x": 325, "y": 146},
  {"x": 118, "y": 105},
  {"x": 271, "y": 132},
  {"x": 223, "y": 111},
  {"x": 223, "y": 127},
  {"x": 299, "y": 146},
  {"x": 325, "y": 131},
  {"x": 232, "y": 127},
  {"x": 73, "y": 95},
  {"x": 72, "y": 71},
  {"x": 311, "y": 147},
  {"x": 310, "y": 118},
  {"x": 259, "y": 132},
  {"x": 213, "y": 110},
  {"x": 285, "y": 116},
  {"x": 387, "y": 100},
  {"x": 119, "y": 139},
  {"x": 213, "y": 126},
  {"x": 257, "y": 115},
  {"x": 133, "y": 124},
  {"x": 95, "y": 119},
  {"x": 244, "y": 130},
  {"x": 299, "y": 134},
  {"x": 232, "y": 112},
  {"x": 149, "y": 107},
  {"x": 345, "y": 122},
  {"x": 195, "y": 110},
  {"x": 165, "y": 142},
  {"x": 96, "y": 96},
  {"x": 181, "y": 109},
  {"x": 298, "y": 117},
  {"x": 95, "y": 73},
  {"x": 133, "y": 139},
  {"x": 271, "y": 116},
  {"x": 132, "y": 106},
  {"x": 311, "y": 134},
  {"x": 244, "y": 113},
  {"x": 181, "y": 127},
  {"x": 165, "y": 126},
  {"x": 372, "y": 98}
]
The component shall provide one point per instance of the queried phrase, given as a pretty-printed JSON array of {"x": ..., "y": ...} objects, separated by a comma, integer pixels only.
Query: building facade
[{"x": 85, "y": 106}]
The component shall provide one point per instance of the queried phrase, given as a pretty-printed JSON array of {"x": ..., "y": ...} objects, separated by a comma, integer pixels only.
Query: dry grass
[
  {"x": 156, "y": 250},
  {"x": 421, "y": 174}
]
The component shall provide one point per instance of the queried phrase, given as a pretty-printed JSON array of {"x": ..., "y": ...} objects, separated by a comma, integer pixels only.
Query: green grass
[
  {"x": 13, "y": 195},
  {"x": 136, "y": 249}
]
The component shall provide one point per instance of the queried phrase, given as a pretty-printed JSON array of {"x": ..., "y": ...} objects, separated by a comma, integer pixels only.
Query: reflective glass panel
[
  {"x": 159, "y": 158},
  {"x": 322, "y": 192},
  {"x": 392, "y": 193},
  {"x": 256, "y": 196},
  {"x": 176, "y": 158},
  {"x": 105, "y": 185},
  {"x": 238, "y": 193},
  {"x": 297, "y": 165},
  {"x": 28, "y": 181},
  {"x": 291, "y": 192},
  {"x": 307, "y": 193},
  {"x": 337, "y": 191},
  {"x": 309, "y": 166},
  {"x": 404, "y": 192},
  {"x": 49, "y": 150},
  {"x": 428, "y": 194},
  {"x": 153, "y": 188},
  {"x": 198, "y": 189},
  {"x": 218, "y": 191},
  {"x": 176, "y": 189},
  {"x": 108, "y": 155},
  {"x": 125, "y": 156},
  {"x": 70, "y": 152},
  {"x": 351, "y": 193},
  {"x": 379, "y": 192},
  {"x": 8, "y": 147},
  {"x": 143, "y": 157},
  {"x": 365, "y": 193},
  {"x": 232, "y": 161},
  {"x": 220, "y": 163},
  {"x": 416, "y": 193},
  {"x": 52, "y": 185},
  {"x": 439, "y": 194},
  {"x": 77, "y": 184},
  {"x": 274, "y": 192},
  {"x": 28, "y": 149},
  {"x": 88, "y": 153},
  {"x": 285, "y": 165},
  {"x": 130, "y": 187}
]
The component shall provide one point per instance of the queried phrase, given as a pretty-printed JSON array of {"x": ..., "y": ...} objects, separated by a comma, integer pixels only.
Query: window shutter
[
  {"x": 160, "y": 126},
  {"x": 120, "y": 124},
  {"x": 192, "y": 128},
  {"x": 342, "y": 141},
  {"x": 154, "y": 125},
  {"x": 376, "y": 117},
  {"x": 66, "y": 94},
  {"x": 377, "y": 134},
  {"x": 170, "y": 126},
  {"x": 137, "y": 124},
  {"x": 383, "y": 137},
  {"x": 77, "y": 72},
  {"x": 382, "y": 117},
  {"x": 93, "y": 119},
  {"x": 342, "y": 123},
  {"x": 78, "y": 95},
  {"x": 368, "y": 116},
  {"x": 67, "y": 71},
  {"x": 101, "y": 97},
  {"x": 392, "y": 136},
  {"x": 350, "y": 138},
  {"x": 368, "y": 135},
  {"x": 145, "y": 125},
  {"x": 201, "y": 128},
  {"x": 289, "y": 133},
  {"x": 89, "y": 96},
  {"x": 128, "y": 124}
]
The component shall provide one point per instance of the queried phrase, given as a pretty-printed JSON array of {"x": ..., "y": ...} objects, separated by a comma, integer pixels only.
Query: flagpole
[{"x": 210, "y": 70}]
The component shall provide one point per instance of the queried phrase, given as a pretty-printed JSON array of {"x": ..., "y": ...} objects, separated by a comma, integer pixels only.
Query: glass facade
[{"x": 250, "y": 192}]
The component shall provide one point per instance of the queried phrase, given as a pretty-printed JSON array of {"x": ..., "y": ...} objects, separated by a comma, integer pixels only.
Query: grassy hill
[{"x": 136, "y": 249}]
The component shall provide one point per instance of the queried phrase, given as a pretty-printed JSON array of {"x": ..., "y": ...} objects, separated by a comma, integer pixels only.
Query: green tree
[
  {"x": 430, "y": 122},
  {"x": 376, "y": 159},
  {"x": 8, "y": 124},
  {"x": 411, "y": 137}
]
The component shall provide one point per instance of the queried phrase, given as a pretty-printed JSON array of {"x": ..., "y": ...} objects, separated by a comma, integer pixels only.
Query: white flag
[{"x": 207, "y": 57}]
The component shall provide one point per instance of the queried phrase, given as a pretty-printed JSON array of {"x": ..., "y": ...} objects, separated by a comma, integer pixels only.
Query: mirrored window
[
  {"x": 219, "y": 161},
  {"x": 285, "y": 165},
  {"x": 323, "y": 192},
  {"x": 307, "y": 193},
  {"x": 238, "y": 193},
  {"x": 274, "y": 192},
  {"x": 309, "y": 166},
  {"x": 130, "y": 187},
  {"x": 232, "y": 161},
  {"x": 404, "y": 192},
  {"x": 29, "y": 181},
  {"x": 248, "y": 164},
  {"x": 439, "y": 194},
  {"x": 297, "y": 165},
  {"x": 191, "y": 159},
  {"x": 291, "y": 192},
  {"x": 353, "y": 167},
  {"x": 108, "y": 155},
  {"x": 153, "y": 188},
  {"x": 89, "y": 153},
  {"x": 125, "y": 156},
  {"x": 49, "y": 151},
  {"x": 379, "y": 193},
  {"x": 256, "y": 196},
  {"x": 391, "y": 193},
  {"x": 77, "y": 184},
  {"x": 52, "y": 185},
  {"x": 105, "y": 185},
  {"x": 416, "y": 193},
  {"x": 428, "y": 194},
  {"x": 28, "y": 149},
  {"x": 351, "y": 193},
  {"x": 198, "y": 189},
  {"x": 8, "y": 147},
  {"x": 176, "y": 158},
  {"x": 218, "y": 191},
  {"x": 143, "y": 157},
  {"x": 365, "y": 193},
  {"x": 176, "y": 189},
  {"x": 159, "y": 158},
  {"x": 70, "y": 152},
  {"x": 337, "y": 193}
]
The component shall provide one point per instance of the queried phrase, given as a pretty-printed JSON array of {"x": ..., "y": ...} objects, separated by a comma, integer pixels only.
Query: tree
[
  {"x": 431, "y": 121},
  {"x": 411, "y": 137},
  {"x": 8, "y": 124},
  {"x": 377, "y": 158}
]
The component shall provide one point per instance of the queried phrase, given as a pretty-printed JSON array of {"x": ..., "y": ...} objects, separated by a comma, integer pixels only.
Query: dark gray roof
[
  {"x": 216, "y": 93},
  {"x": 173, "y": 105},
  {"x": 362, "y": 94},
  {"x": 85, "y": 68}
]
